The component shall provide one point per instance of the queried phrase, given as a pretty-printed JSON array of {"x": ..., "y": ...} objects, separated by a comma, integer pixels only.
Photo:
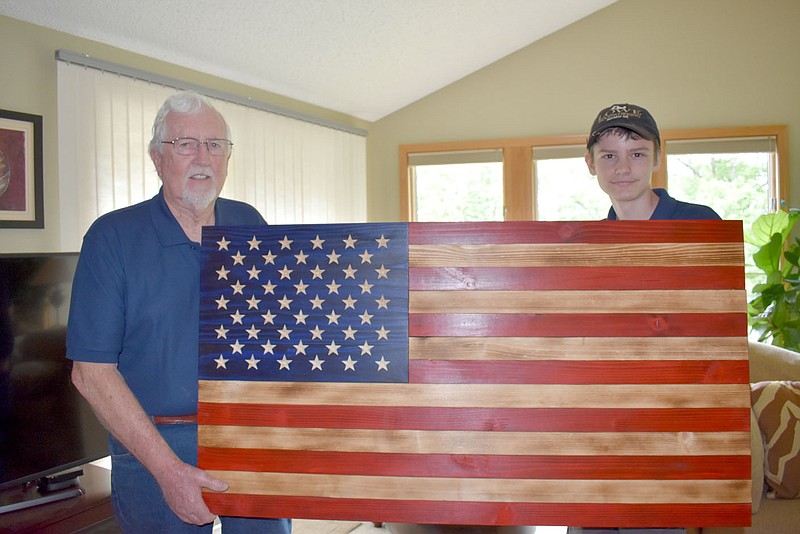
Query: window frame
[{"x": 518, "y": 190}]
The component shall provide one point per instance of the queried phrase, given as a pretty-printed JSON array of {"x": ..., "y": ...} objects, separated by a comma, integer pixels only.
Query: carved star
[
  {"x": 300, "y": 317},
  {"x": 286, "y": 272},
  {"x": 333, "y": 257},
  {"x": 301, "y": 257},
  {"x": 349, "y": 272},
  {"x": 333, "y": 317},
  {"x": 366, "y": 287},
  {"x": 268, "y": 317},
  {"x": 333, "y": 287},
  {"x": 316, "y": 332},
  {"x": 383, "y": 303},
  {"x": 366, "y": 257},
  {"x": 284, "y": 332},
  {"x": 269, "y": 257},
  {"x": 383, "y": 242},
  {"x": 349, "y": 333},
  {"x": 383, "y": 272},
  {"x": 317, "y": 242},
  {"x": 222, "y": 332},
  {"x": 269, "y": 287},
  {"x": 301, "y": 287},
  {"x": 382, "y": 333},
  {"x": 349, "y": 242},
  {"x": 316, "y": 364},
  {"x": 300, "y": 347},
  {"x": 237, "y": 288},
  {"x": 317, "y": 272}
]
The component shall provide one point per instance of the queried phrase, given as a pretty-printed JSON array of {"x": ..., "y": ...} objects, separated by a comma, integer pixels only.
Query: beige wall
[
  {"x": 28, "y": 75},
  {"x": 693, "y": 63}
]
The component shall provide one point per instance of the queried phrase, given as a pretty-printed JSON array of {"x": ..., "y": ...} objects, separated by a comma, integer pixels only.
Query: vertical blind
[{"x": 292, "y": 171}]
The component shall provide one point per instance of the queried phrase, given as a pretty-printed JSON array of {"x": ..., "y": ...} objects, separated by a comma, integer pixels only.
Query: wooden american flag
[{"x": 558, "y": 373}]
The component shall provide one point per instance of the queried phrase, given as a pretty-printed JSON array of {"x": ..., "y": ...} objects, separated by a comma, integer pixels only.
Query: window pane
[
  {"x": 737, "y": 186},
  {"x": 565, "y": 191},
  {"x": 459, "y": 192}
]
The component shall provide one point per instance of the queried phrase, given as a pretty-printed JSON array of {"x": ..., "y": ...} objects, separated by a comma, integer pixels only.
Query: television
[{"x": 46, "y": 427}]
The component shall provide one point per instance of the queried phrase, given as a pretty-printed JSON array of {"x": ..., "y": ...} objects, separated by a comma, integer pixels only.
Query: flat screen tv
[{"x": 45, "y": 425}]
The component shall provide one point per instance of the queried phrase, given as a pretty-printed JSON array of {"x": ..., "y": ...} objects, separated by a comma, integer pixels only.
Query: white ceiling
[{"x": 365, "y": 58}]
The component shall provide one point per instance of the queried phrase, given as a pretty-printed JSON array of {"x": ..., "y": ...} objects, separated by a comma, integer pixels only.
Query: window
[
  {"x": 736, "y": 171},
  {"x": 564, "y": 190},
  {"x": 465, "y": 186}
]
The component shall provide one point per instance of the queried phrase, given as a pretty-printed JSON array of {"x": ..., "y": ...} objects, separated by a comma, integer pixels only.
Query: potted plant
[{"x": 773, "y": 311}]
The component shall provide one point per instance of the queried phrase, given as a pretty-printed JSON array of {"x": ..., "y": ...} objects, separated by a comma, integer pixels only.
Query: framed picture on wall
[{"x": 21, "y": 183}]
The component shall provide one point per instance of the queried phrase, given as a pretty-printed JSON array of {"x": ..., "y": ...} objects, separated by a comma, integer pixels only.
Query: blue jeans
[{"x": 140, "y": 506}]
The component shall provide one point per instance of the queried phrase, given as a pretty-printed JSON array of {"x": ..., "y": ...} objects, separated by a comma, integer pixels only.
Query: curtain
[{"x": 292, "y": 171}]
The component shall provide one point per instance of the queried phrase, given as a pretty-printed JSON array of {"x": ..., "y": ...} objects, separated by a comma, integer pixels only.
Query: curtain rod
[{"x": 86, "y": 60}]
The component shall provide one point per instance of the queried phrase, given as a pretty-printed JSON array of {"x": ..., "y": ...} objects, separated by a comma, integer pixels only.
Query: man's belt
[{"x": 175, "y": 419}]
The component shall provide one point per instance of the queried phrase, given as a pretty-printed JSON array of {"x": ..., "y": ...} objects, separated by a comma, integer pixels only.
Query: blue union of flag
[{"x": 305, "y": 303}]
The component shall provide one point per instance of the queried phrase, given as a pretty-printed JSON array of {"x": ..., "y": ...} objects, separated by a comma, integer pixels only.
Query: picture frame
[{"x": 21, "y": 171}]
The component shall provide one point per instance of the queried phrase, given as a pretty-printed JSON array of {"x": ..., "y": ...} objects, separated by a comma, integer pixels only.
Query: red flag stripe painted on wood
[
  {"x": 474, "y": 513},
  {"x": 445, "y": 465},
  {"x": 559, "y": 373},
  {"x": 480, "y": 419}
]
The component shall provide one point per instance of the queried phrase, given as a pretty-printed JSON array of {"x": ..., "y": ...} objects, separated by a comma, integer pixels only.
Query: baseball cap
[{"x": 628, "y": 116}]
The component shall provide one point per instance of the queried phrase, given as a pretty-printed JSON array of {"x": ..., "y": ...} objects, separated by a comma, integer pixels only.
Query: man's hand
[{"x": 182, "y": 488}]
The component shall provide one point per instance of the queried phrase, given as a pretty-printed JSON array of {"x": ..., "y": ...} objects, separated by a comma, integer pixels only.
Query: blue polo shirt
[
  {"x": 135, "y": 300},
  {"x": 670, "y": 209}
]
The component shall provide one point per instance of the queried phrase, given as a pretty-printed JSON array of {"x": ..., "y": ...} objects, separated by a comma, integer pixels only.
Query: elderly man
[{"x": 133, "y": 325}]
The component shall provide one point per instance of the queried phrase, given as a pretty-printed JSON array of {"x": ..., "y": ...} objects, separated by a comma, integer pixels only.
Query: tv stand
[
  {"x": 69, "y": 509},
  {"x": 49, "y": 489}
]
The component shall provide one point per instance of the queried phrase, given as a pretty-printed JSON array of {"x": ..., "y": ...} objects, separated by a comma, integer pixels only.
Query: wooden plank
[{"x": 598, "y": 301}]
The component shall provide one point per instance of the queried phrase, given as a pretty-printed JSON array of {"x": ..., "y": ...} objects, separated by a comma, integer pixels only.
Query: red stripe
[
  {"x": 480, "y": 419},
  {"x": 579, "y": 372},
  {"x": 478, "y": 466},
  {"x": 482, "y": 513},
  {"x": 578, "y": 325},
  {"x": 573, "y": 278},
  {"x": 576, "y": 232}
]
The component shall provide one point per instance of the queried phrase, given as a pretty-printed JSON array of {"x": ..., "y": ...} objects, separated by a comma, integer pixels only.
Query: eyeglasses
[{"x": 188, "y": 146}]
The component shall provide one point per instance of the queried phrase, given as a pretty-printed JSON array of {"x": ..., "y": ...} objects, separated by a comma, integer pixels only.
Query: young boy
[{"x": 623, "y": 150}]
